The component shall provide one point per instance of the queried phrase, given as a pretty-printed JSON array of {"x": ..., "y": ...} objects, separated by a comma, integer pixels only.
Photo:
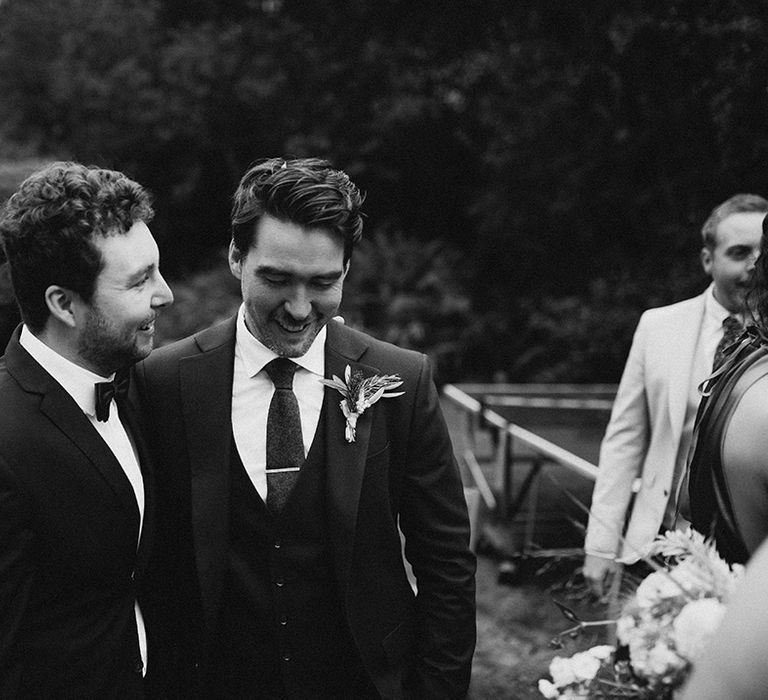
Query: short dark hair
[
  {"x": 48, "y": 226},
  {"x": 308, "y": 192},
  {"x": 738, "y": 204}
]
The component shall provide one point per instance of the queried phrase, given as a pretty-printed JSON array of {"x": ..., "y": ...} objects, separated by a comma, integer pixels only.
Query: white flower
[
  {"x": 638, "y": 655},
  {"x": 602, "y": 651},
  {"x": 561, "y": 671},
  {"x": 665, "y": 624},
  {"x": 696, "y": 624},
  {"x": 585, "y": 666},
  {"x": 662, "y": 660},
  {"x": 574, "y": 694},
  {"x": 625, "y": 628},
  {"x": 548, "y": 689},
  {"x": 655, "y": 587}
]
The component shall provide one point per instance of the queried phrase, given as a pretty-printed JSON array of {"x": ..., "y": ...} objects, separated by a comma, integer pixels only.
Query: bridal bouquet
[{"x": 662, "y": 628}]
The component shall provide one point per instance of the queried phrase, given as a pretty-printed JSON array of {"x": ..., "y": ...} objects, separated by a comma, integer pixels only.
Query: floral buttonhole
[{"x": 361, "y": 392}]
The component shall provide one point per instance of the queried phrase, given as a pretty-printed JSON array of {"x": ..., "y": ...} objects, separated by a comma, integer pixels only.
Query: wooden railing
[{"x": 490, "y": 409}]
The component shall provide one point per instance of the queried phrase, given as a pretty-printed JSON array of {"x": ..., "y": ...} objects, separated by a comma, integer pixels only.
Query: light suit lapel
[{"x": 681, "y": 340}]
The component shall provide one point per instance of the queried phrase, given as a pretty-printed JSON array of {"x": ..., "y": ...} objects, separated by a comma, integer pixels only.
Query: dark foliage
[{"x": 560, "y": 156}]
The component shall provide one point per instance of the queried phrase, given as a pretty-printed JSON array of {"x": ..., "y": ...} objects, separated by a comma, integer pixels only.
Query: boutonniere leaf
[{"x": 361, "y": 392}]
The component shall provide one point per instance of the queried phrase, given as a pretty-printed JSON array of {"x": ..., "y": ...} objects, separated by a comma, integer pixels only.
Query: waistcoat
[{"x": 282, "y": 631}]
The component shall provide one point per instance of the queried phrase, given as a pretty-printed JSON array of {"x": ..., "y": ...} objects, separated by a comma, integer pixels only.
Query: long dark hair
[{"x": 757, "y": 296}]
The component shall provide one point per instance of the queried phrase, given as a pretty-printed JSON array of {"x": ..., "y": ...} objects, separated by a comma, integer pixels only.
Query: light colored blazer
[{"x": 643, "y": 436}]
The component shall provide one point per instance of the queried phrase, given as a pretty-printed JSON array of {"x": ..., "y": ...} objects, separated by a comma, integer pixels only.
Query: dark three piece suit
[{"x": 314, "y": 601}]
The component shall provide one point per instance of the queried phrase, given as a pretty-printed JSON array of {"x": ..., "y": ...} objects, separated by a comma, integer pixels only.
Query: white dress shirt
[
  {"x": 252, "y": 391},
  {"x": 79, "y": 383}
]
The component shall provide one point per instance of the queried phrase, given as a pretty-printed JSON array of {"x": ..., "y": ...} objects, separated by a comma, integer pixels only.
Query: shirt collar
[
  {"x": 255, "y": 354},
  {"x": 716, "y": 311},
  {"x": 77, "y": 381}
]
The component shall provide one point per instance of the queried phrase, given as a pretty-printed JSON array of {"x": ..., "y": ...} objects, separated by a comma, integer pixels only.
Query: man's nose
[
  {"x": 752, "y": 260},
  {"x": 163, "y": 295},
  {"x": 298, "y": 304}
]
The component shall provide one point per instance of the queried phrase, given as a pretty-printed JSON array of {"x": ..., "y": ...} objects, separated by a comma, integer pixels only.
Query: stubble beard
[
  {"x": 283, "y": 349},
  {"x": 102, "y": 347}
]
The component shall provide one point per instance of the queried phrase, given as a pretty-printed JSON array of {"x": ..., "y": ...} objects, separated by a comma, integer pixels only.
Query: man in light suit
[
  {"x": 307, "y": 597},
  {"x": 644, "y": 451},
  {"x": 76, "y": 503}
]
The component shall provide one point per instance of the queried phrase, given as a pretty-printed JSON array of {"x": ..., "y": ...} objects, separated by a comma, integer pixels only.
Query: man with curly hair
[
  {"x": 76, "y": 503},
  {"x": 286, "y": 573}
]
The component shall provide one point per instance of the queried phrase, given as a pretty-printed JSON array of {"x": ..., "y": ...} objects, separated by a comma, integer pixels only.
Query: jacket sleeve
[
  {"x": 434, "y": 521},
  {"x": 16, "y": 573},
  {"x": 622, "y": 453}
]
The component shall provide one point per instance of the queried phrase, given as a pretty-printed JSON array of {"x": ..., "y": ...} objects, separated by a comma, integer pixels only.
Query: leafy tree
[
  {"x": 563, "y": 155},
  {"x": 411, "y": 294}
]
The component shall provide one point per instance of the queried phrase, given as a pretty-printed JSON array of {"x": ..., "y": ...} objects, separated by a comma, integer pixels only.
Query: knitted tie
[
  {"x": 731, "y": 331},
  {"x": 285, "y": 447}
]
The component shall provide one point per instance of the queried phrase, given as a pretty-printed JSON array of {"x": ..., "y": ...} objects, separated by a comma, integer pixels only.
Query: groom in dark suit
[
  {"x": 76, "y": 503},
  {"x": 285, "y": 563}
]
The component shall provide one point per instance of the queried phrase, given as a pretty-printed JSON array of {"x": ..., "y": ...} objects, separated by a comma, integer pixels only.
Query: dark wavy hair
[
  {"x": 308, "y": 192},
  {"x": 757, "y": 296},
  {"x": 47, "y": 229}
]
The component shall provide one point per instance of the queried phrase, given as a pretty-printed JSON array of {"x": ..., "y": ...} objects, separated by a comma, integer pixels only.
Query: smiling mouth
[
  {"x": 291, "y": 327},
  {"x": 293, "y": 331}
]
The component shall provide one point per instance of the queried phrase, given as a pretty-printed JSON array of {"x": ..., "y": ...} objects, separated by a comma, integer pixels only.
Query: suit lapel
[
  {"x": 681, "y": 339},
  {"x": 345, "y": 461},
  {"x": 206, "y": 397},
  {"x": 60, "y": 408},
  {"x": 130, "y": 418}
]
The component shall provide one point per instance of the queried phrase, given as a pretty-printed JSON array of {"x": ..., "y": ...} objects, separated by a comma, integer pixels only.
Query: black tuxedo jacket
[
  {"x": 69, "y": 527},
  {"x": 400, "y": 468}
]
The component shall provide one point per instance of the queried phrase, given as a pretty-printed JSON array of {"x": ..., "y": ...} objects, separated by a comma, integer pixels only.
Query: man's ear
[
  {"x": 706, "y": 260},
  {"x": 60, "y": 302},
  {"x": 235, "y": 258}
]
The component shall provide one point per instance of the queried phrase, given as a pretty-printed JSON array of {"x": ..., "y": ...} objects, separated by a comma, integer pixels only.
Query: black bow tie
[{"x": 106, "y": 391}]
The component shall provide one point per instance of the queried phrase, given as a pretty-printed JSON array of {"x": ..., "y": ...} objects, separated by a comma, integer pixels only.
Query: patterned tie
[
  {"x": 731, "y": 331},
  {"x": 285, "y": 447}
]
